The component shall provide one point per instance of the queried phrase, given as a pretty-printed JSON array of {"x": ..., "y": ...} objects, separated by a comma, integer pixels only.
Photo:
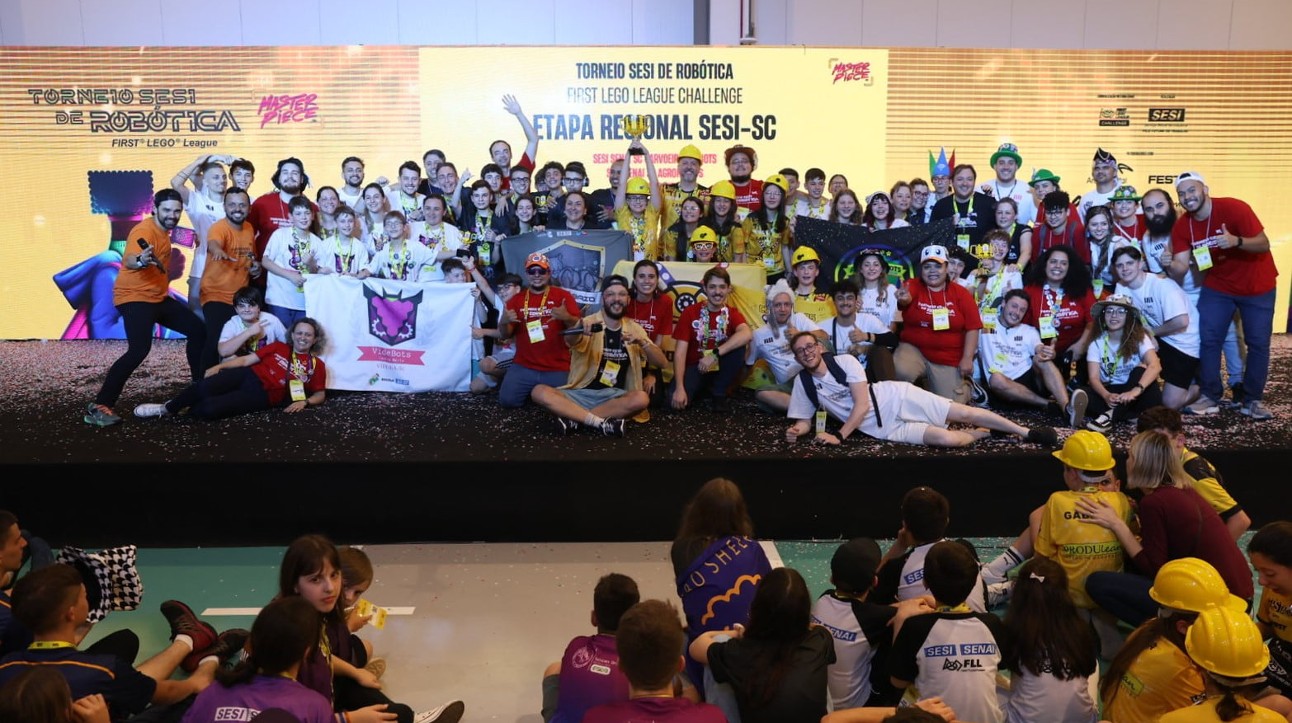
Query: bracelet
[{"x": 1239, "y": 245}]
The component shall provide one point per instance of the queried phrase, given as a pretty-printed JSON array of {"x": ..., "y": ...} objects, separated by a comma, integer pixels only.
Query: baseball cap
[
  {"x": 1189, "y": 176},
  {"x": 614, "y": 280},
  {"x": 854, "y": 564},
  {"x": 537, "y": 259},
  {"x": 935, "y": 252}
]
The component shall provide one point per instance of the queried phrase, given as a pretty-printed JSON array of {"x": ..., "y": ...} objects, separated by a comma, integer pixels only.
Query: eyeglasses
[
  {"x": 574, "y": 179},
  {"x": 805, "y": 350},
  {"x": 1114, "y": 311},
  {"x": 536, "y": 271},
  {"x": 1056, "y": 212}
]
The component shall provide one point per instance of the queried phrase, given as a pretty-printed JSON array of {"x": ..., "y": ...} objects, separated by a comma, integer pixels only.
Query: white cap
[
  {"x": 935, "y": 252},
  {"x": 1189, "y": 176}
]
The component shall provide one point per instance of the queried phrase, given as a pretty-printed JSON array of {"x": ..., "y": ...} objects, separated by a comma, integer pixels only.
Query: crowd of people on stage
[
  {"x": 1104, "y": 608},
  {"x": 1090, "y": 308}
]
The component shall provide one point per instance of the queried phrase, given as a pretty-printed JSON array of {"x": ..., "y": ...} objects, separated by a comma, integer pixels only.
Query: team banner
[
  {"x": 96, "y": 130},
  {"x": 840, "y": 245},
  {"x": 579, "y": 259},
  {"x": 393, "y": 336}
]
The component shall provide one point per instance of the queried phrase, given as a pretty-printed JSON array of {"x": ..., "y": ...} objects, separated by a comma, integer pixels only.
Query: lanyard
[
  {"x": 1107, "y": 363},
  {"x": 542, "y": 303},
  {"x": 632, "y": 312},
  {"x": 343, "y": 258},
  {"x": 299, "y": 369},
  {"x": 964, "y": 217},
  {"x": 49, "y": 645},
  {"x": 399, "y": 264}
]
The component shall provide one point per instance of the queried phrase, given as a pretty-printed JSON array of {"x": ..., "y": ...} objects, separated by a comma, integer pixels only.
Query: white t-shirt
[
  {"x": 848, "y": 677},
  {"x": 868, "y": 304},
  {"x": 274, "y": 331},
  {"x": 351, "y": 201},
  {"x": 911, "y": 579},
  {"x": 445, "y": 237},
  {"x": 1152, "y": 248},
  {"x": 409, "y": 205},
  {"x": 839, "y": 341},
  {"x": 1093, "y": 198},
  {"x": 804, "y": 207},
  {"x": 1008, "y": 351},
  {"x": 1112, "y": 368},
  {"x": 411, "y": 263},
  {"x": 202, "y": 213},
  {"x": 1046, "y": 698},
  {"x": 340, "y": 254},
  {"x": 1160, "y": 300},
  {"x": 888, "y": 398},
  {"x": 1022, "y": 195},
  {"x": 776, "y": 350},
  {"x": 290, "y": 252}
]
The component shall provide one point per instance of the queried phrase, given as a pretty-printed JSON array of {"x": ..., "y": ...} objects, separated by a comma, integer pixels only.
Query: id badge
[
  {"x": 609, "y": 373},
  {"x": 638, "y": 254},
  {"x": 962, "y": 240},
  {"x": 769, "y": 262},
  {"x": 378, "y": 613},
  {"x": 716, "y": 359},
  {"x": 297, "y": 388},
  {"x": 535, "y": 330},
  {"x": 820, "y": 421},
  {"x": 1047, "y": 327},
  {"x": 1202, "y": 254},
  {"x": 1099, "y": 286},
  {"x": 941, "y": 319},
  {"x": 989, "y": 318}
]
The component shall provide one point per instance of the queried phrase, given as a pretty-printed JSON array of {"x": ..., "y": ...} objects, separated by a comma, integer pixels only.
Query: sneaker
[
  {"x": 376, "y": 666},
  {"x": 1202, "y": 407},
  {"x": 183, "y": 621},
  {"x": 151, "y": 410},
  {"x": 614, "y": 428},
  {"x": 450, "y": 712},
  {"x": 1077, "y": 409},
  {"x": 1101, "y": 424},
  {"x": 227, "y": 645},
  {"x": 565, "y": 426},
  {"x": 1256, "y": 410},
  {"x": 1045, "y": 436},
  {"x": 998, "y": 593},
  {"x": 100, "y": 415}
]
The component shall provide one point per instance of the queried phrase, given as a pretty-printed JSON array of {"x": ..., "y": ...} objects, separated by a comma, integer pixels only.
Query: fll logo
[
  {"x": 1114, "y": 117},
  {"x": 849, "y": 72}
]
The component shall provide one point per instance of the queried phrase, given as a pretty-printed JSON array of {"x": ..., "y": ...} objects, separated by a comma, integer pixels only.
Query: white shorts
[{"x": 906, "y": 412}]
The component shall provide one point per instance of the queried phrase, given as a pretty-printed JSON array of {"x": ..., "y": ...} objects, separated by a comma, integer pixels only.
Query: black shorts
[
  {"x": 1178, "y": 369},
  {"x": 1033, "y": 382}
]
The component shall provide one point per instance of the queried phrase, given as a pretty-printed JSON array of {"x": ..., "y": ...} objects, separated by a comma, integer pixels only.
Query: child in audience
[
  {"x": 283, "y": 634},
  {"x": 356, "y": 578},
  {"x": 1271, "y": 553},
  {"x": 925, "y": 516},
  {"x": 649, "y": 638},
  {"x": 778, "y": 664},
  {"x": 952, "y": 652},
  {"x": 862, "y": 636},
  {"x": 1053, "y": 659},
  {"x": 1227, "y": 645},
  {"x": 588, "y": 674},
  {"x": 41, "y": 695}
]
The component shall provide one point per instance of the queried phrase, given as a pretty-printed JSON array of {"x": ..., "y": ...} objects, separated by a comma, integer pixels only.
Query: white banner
[{"x": 393, "y": 336}]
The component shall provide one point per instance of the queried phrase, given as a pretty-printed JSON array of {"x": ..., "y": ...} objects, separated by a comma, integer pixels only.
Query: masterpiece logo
[
  {"x": 1166, "y": 115},
  {"x": 1114, "y": 117}
]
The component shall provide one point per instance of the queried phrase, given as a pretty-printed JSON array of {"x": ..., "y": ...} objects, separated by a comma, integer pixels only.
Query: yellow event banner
[{"x": 86, "y": 134}]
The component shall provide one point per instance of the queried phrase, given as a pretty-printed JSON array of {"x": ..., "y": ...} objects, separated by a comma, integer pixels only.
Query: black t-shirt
[
  {"x": 977, "y": 215},
  {"x": 800, "y": 695},
  {"x": 612, "y": 352}
]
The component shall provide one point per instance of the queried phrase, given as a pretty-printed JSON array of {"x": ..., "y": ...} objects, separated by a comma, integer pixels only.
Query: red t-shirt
[
  {"x": 749, "y": 195},
  {"x": 687, "y": 329},
  {"x": 551, "y": 354},
  {"x": 1071, "y": 315},
  {"x": 1233, "y": 271},
  {"x": 1074, "y": 235},
  {"x": 655, "y": 316},
  {"x": 1135, "y": 231},
  {"x": 945, "y": 346},
  {"x": 275, "y": 369}
]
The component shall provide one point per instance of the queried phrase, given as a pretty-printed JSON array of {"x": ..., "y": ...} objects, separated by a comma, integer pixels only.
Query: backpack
[{"x": 809, "y": 388}]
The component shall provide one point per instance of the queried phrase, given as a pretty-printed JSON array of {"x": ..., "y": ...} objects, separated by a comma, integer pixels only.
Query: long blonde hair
[{"x": 1156, "y": 462}]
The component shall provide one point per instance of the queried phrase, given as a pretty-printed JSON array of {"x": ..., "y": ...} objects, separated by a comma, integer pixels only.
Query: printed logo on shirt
[
  {"x": 234, "y": 713},
  {"x": 913, "y": 576}
]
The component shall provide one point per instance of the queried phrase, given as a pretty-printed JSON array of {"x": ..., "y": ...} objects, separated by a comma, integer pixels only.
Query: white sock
[
  {"x": 998, "y": 569},
  {"x": 212, "y": 658},
  {"x": 185, "y": 639},
  {"x": 593, "y": 420}
]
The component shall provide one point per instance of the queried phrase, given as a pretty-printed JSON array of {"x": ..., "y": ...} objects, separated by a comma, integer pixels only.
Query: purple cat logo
[{"x": 392, "y": 319}]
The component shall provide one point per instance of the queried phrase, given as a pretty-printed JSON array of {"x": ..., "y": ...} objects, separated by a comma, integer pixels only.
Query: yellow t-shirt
[
  {"x": 761, "y": 245},
  {"x": 1208, "y": 484},
  {"x": 1276, "y": 612},
  {"x": 1162, "y": 679},
  {"x": 645, "y": 231},
  {"x": 1205, "y": 712},
  {"x": 818, "y": 306},
  {"x": 1081, "y": 547},
  {"x": 673, "y": 198}
]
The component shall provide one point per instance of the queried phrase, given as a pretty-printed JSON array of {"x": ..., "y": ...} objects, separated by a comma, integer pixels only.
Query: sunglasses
[{"x": 536, "y": 271}]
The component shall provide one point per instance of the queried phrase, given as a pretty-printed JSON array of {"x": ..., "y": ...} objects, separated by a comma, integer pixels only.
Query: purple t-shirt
[
  {"x": 589, "y": 677},
  {"x": 218, "y": 704},
  {"x": 655, "y": 710}
]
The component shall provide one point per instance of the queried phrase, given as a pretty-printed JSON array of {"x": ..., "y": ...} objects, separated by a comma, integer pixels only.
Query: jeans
[
  {"x": 1216, "y": 312},
  {"x": 1124, "y": 594},
  {"x": 521, "y": 380}
]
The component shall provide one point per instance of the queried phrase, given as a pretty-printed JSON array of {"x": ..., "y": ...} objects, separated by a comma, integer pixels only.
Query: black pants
[
  {"x": 139, "y": 318},
  {"x": 217, "y": 314},
  {"x": 350, "y": 695},
  {"x": 1150, "y": 397}
]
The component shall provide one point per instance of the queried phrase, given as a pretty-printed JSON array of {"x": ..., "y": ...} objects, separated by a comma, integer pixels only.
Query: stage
[{"x": 440, "y": 467}]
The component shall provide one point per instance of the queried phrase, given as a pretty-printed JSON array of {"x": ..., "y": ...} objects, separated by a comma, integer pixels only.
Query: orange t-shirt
[
  {"x": 150, "y": 283},
  {"x": 222, "y": 279}
]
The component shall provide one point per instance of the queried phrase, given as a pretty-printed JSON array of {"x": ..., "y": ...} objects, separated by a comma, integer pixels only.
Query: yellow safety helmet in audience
[
  {"x": 1228, "y": 643},
  {"x": 1192, "y": 585},
  {"x": 1086, "y": 450}
]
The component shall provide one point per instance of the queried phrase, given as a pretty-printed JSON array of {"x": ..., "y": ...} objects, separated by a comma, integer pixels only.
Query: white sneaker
[
  {"x": 151, "y": 410},
  {"x": 450, "y": 712},
  {"x": 1077, "y": 409},
  {"x": 1256, "y": 410},
  {"x": 1101, "y": 424},
  {"x": 1202, "y": 407}
]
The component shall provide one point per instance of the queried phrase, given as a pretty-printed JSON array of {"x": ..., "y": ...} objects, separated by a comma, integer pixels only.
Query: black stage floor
[{"x": 379, "y": 467}]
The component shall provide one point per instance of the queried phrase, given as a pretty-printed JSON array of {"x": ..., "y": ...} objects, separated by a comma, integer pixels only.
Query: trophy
[{"x": 635, "y": 126}]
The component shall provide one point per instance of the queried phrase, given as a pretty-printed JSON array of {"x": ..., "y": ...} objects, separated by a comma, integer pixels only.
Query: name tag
[
  {"x": 1099, "y": 286},
  {"x": 610, "y": 373},
  {"x": 769, "y": 262},
  {"x": 941, "y": 319},
  {"x": 297, "y": 388},
  {"x": 820, "y": 421},
  {"x": 1048, "y": 331},
  {"x": 962, "y": 240},
  {"x": 989, "y": 318},
  {"x": 535, "y": 330},
  {"x": 1202, "y": 255}
]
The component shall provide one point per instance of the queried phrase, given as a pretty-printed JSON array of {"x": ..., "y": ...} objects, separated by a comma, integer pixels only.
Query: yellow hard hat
[
  {"x": 723, "y": 189},
  {"x": 779, "y": 180},
  {"x": 1227, "y": 643},
  {"x": 690, "y": 151},
  {"x": 703, "y": 235},
  {"x": 1086, "y": 450},
  {"x": 804, "y": 253},
  {"x": 637, "y": 186},
  {"x": 1192, "y": 585}
]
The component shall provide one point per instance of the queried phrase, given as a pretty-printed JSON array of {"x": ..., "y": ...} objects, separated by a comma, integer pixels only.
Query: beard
[
  {"x": 1160, "y": 225},
  {"x": 613, "y": 311},
  {"x": 740, "y": 180}
]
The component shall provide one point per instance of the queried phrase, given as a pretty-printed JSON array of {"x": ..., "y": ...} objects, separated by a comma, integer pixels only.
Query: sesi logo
[{"x": 1166, "y": 115}]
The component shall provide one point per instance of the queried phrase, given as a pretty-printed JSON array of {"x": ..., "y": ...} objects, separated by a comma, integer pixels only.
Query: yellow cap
[
  {"x": 704, "y": 235},
  {"x": 1228, "y": 643},
  {"x": 1086, "y": 450},
  {"x": 637, "y": 186},
  {"x": 690, "y": 151},
  {"x": 723, "y": 189},
  {"x": 804, "y": 253},
  {"x": 779, "y": 180},
  {"x": 1193, "y": 585}
]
